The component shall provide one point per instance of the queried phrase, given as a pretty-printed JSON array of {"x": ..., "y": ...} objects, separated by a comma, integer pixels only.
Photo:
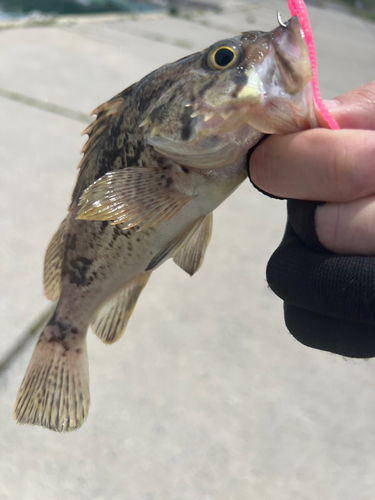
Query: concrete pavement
[{"x": 207, "y": 396}]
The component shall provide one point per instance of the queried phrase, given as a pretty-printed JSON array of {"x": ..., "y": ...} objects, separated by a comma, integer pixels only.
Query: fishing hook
[{"x": 280, "y": 21}]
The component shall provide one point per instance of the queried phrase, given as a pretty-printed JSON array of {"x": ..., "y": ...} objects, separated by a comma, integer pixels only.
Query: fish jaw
[
  {"x": 215, "y": 151},
  {"x": 268, "y": 92},
  {"x": 287, "y": 103},
  {"x": 275, "y": 68}
]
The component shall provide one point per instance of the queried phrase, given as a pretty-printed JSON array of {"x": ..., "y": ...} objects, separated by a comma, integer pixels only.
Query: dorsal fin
[
  {"x": 106, "y": 114},
  {"x": 53, "y": 262},
  {"x": 103, "y": 115},
  {"x": 112, "y": 318},
  {"x": 190, "y": 258}
]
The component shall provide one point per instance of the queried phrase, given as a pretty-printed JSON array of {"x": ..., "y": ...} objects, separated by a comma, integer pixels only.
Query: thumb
[{"x": 355, "y": 109}]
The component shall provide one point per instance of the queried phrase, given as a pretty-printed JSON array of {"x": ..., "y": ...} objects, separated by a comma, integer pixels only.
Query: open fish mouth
[
  {"x": 267, "y": 91},
  {"x": 277, "y": 76}
]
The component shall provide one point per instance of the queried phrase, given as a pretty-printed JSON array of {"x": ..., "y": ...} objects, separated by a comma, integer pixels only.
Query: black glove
[{"x": 329, "y": 299}]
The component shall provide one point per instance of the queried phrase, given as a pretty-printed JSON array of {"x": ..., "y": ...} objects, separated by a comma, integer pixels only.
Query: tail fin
[{"x": 55, "y": 390}]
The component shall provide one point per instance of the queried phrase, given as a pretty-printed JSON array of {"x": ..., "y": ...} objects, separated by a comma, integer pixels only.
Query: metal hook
[{"x": 280, "y": 21}]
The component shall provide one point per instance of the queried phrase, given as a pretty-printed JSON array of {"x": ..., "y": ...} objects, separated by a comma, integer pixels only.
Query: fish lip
[
  {"x": 292, "y": 33},
  {"x": 292, "y": 56}
]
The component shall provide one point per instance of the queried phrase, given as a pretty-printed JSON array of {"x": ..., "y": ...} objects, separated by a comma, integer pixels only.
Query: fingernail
[{"x": 331, "y": 103}]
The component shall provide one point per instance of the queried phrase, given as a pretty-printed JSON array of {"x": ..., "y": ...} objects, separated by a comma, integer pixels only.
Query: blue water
[
  {"x": 129, "y": 6},
  {"x": 5, "y": 16}
]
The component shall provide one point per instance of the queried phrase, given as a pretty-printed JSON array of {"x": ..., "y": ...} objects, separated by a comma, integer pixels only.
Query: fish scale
[{"x": 161, "y": 157}]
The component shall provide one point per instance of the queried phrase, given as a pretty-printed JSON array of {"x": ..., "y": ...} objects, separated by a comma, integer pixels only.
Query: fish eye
[{"x": 223, "y": 56}]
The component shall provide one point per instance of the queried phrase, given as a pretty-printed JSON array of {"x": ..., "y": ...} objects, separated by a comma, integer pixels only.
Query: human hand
[{"x": 329, "y": 299}]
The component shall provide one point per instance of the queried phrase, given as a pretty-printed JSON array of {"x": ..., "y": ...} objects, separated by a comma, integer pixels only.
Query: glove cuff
[
  {"x": 348, "y": 338},
  {"x": 249, "y": 153},
  {"x": 302, "y": 219}
]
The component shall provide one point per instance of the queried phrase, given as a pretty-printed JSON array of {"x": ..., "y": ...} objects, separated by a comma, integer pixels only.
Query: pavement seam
[
  {"x": 24, "y": 340},
  {"x": 45, "y": 106}
]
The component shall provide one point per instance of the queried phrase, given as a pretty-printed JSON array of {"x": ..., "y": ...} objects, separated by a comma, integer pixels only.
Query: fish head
[{"x": 231, "y": 94}]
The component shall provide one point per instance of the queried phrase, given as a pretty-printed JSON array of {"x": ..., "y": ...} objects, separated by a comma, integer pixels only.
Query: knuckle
[
  {"x": 342, "y": 173},
  {"x": 352, "y": 169}
]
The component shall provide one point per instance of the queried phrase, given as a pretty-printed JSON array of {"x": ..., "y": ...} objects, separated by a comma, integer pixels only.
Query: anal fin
[
  {"x": 175, "y": 246},
  {"x": 53, "y": 262},
  {"x": 190, "y": 258},
  {"x": 112, "y": 318}
]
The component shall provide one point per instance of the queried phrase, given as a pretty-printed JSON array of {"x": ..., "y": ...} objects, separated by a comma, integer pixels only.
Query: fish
[{"x": 160, "y": 157}]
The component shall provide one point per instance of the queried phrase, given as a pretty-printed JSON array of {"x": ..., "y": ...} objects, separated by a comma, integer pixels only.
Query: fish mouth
[
  {"x": 292, "y": 57},
  {"x": 286, "y": 102},
  {"x": 269, "y": 92},
  {"x": 276, "y": 95}
]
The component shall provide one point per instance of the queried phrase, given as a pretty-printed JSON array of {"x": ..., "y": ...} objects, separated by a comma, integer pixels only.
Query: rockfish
[{"x": 161, "y": 156}]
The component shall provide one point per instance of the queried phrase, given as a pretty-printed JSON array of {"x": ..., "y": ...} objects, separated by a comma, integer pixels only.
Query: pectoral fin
[
  {"x": 132, "y": 196},
  {"x": 111, "y": 320},
  {"x": 190, "y": 258},
  {"x": 52, "y": 263},
  {"x": 175, "y": 246}
]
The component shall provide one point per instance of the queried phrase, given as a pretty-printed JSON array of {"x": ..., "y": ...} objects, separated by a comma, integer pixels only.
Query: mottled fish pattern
[{"x": 161, "y": 156}]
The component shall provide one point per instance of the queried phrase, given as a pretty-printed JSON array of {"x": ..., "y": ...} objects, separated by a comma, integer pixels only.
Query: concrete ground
[{"x": 207, "y": 396}]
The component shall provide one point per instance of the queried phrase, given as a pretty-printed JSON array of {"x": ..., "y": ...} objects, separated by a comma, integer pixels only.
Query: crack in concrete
[
  {"x": 24, "y": 340},
  {"x": 45, "y": 106}
]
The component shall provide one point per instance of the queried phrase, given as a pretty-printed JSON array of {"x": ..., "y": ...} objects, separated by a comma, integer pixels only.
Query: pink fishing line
[{"x": 298, "y": 8}]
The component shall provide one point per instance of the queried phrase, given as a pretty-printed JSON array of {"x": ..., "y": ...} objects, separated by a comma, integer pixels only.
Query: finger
[
  {"x": 355, "y": 109},
  {"x": 317, "y": 164},
  {"x": 347, "y": 228}
]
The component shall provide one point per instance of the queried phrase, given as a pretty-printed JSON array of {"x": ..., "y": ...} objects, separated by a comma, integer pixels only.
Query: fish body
[{"x": 161, "y": 156}]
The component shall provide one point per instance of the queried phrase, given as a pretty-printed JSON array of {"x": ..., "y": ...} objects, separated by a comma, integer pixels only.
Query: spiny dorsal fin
[
  {"x": 191, "y": 256},
  {"x": 133, "y": 196},
  {"x": 103, "y": 113},
  {"x": 174, "y": 246},
  {"x": 55, "y": 389},
  {"x": 94, "y": 130},
  {"x": 53, "y": 262},
  {"x": 111, "y": 320}
]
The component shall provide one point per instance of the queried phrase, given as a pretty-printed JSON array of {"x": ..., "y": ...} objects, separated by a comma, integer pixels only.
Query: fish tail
[{"x": 55, "y": 389}]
